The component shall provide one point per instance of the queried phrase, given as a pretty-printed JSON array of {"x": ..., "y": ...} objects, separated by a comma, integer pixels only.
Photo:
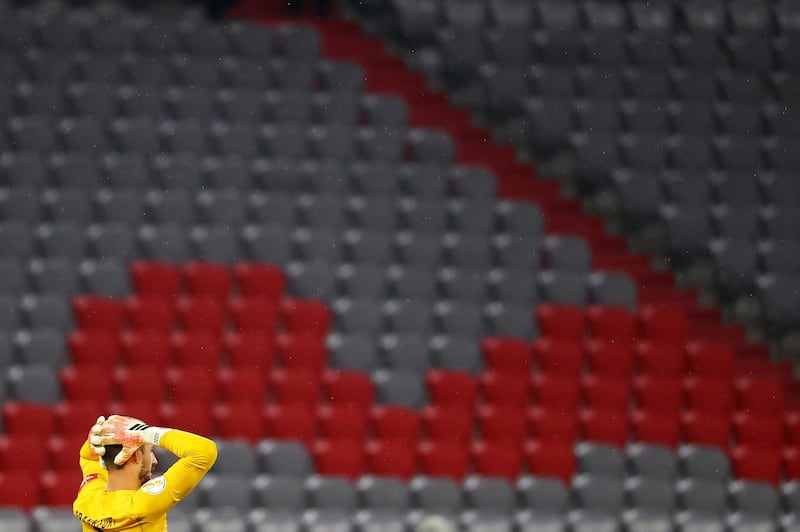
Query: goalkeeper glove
[{"x": 129, "y": 432}]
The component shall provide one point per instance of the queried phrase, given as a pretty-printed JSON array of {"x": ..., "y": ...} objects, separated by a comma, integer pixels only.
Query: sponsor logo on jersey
[{"x": 155, "y": 486}]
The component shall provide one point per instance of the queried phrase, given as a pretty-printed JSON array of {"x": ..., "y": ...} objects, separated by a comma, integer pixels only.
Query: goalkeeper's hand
[{"x": 129, "y": 432}]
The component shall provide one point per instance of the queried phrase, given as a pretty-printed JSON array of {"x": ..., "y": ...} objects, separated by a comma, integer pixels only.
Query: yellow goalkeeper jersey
[{"x": 145, "y": 509}]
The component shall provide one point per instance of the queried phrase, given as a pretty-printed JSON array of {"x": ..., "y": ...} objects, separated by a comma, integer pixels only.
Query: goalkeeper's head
[{"x": 117, "y": 440}]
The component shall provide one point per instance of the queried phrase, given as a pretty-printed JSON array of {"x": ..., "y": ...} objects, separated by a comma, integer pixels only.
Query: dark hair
[{"x": 108, "y": 458}]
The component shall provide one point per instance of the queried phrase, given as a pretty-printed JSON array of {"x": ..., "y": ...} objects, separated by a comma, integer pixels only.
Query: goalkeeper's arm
[{"x": 196, "y": 455}]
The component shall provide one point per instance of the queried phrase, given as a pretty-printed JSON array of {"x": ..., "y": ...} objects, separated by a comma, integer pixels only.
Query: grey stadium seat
[
  {"x": 359, "y": 280},
  {"x": 235, "y": 456},
  {"x": 215, "y": 243},
  {"x": 533, "y": 520},
  {"x": 47, "y": 311},
  {"x": 283, "y": 458},
  {"x": 592, "y": 521},
  {"x": 567, "y": 254},
  {"x": 316, "y": 244},
  {"x": 383, "y": 493},
  {"x": 735, "y": 265},
  {"x": 693, "y": 521},
  {"x": 512, "y": 285},
  {"x": 646, "y": 520},
  {"x": 35, "y": 384},
  {"x": 407, "y": 316},
  {"x": 488, "y": 493},
  {"x": 225, "y": 206},
  {"x": 114, "y": 241},
  {"x": 458, "y": 318},
  {"x": 702, "y": 495},
  {"x": 703, "y": 463},
  {"x": 600, "y": 459},
  {"x": 510, "y": 320},
  {"x": 12, "y": 277},
  {"x": 460, "y": 353},
  {"x": 266, "y": 244},
  {"x": 651, "y": 494},
  {"x": 40, "y": 347},
  {"x": 218, "y": 520},
  {"x": 612, "y": 288},
  {"x": 380, "y": 521},
  {"x": 326, "y": 521},
  {"x": 466, "y": 251},
  {"x": 165, "y": 242},
  {"x": 54, "y": 519},
  {"x": 14, "y": 520},
  {"x": 598, "y": 493},
  {"x": 405, "y": 351},
  {"x": 435, "y": 495},
  {"x": 105, "y": 277},
  {"x": 229, "y": 490},
  {"x": 10, "y": 312},
  {"x": 542, "y": 494},
  {"x": 753, "y": 498},
  {"x": 279, "y": 493},
  {"x": 651, "y": 461},
  {"x": 352, "y": 351},
  {"x": 462, "y": 286},
  {"x": 399, "y": 387},
  {"x": 261, "y": 520},
  {"x": 367, "y": 247},
  {"x": 563, "y": 287},
  {"x": 489, "y": 520},
  {"x": 329, "y": 493},
  {"x": 409, "y": 282}
]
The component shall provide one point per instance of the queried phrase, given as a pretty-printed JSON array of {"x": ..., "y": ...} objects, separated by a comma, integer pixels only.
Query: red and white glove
[{"x": 129, "y": 432}]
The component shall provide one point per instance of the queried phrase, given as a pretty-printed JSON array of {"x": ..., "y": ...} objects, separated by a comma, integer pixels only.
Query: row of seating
[
  {"x": 131, "y": 105},
  {"x": 739, "y": 17},
  {"x": 73, "y": 30}
]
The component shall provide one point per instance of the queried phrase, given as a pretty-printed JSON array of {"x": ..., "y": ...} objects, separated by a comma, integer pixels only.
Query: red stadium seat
[
  {"x": 153, "y": 278},
  {"x": 253, "y": 313},
  {"x": 249, "y": 350},
  {"x": 347, "y": 387},
  {"x": 207, "y": 279},
  {"x": 258, "y": 279},
  {"x": 201, "y": 312},
  {"x": 609, "y": 357},
  {"x": 760, "y": 395},
  {"x": 707, "y": 359},
  {"x": 72, "y": 417},
  {"x": 139, "y": 383},
  {"x": 547, "y": 423},
  {"x": 510, "y": 355},
  {"x": 791, "y": 424},
  {"x": 191, "y": 384},
  {"x": 24, "y": 452},
  {"x": 450, "y": 423},
  {"x": 341, "y": 421},
  {"x": 196, "y": 348},
  {"x": 561, "y": 321},
  {"x": 241, "y": 384},
  {"x": 302, "y": 351},
  {"x": 94, "y": 348},
  {"x": 451, "y": 388},
  {"x": 709, "y": 394},
  {"x": 192, "y": 416},
  {"x": 753, "y": 430},
  {"x": 791, "y": 462},
  {"x": 296, "y": 386},
  {"x": 756, "y": 463},
  {"x": 391, "y": 458},
  {"x": 138, "y": 408},
  {"x": 339, "y": 458},
  {"x": 146, "y": 348},
  {"x": 85, "y": 383},
  {"x": 239, "y": 420},
  {"x": 394, "y": 423},
  {"x": 306, "y": 316},
  {"x": 611, "y": 323},
  {"x": 446, "y": 458},
  {"x": 508, "y": 389},
  {"x": 663, "y": 324},
  {"x": 150, "y": 313},
  {"x": 658, "y": 394},
  {"x": 290, "y": 422},
  {"x": 97, "y": 312},
  {"x": 558, "y": 355},
  {"x": 496, "y": 459},
  {"x": 63, "y": 450},
  {"x": 656, "y": 427},
  {"x": 502, "y": 423},
  {"x": 604, "y": 426},
  {"x": 59, "y": 488},
  {"x": 27, "y": 418},
  {"x": 19, "y": 489},
  {"x": 706, "y": 429},
  {"x": 662, "y": 359},
  {"x": 554, "y": 390},
  {"x": 550, "y": 459},
  {"x": 606, "y": 392}
]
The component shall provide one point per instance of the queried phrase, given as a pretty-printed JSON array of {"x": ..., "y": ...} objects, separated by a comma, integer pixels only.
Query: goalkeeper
[{"x": 118, "y": 491}]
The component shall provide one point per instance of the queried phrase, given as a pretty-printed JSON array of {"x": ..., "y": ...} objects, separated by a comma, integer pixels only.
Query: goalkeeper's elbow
[{"x": 207, "y": 454}]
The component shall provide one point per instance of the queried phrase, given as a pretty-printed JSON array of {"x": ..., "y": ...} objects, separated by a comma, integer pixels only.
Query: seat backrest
[{"x": 331, "y": 493}]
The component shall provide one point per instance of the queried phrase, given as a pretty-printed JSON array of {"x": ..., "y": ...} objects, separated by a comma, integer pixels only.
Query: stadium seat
[
  {"x": 604, "y": 426},
  {"x": 206, "y": 279},
  {"x": 73, "y": 381},
  {"x": 190, "y": 383},
  {"x": 550, "y": 459},
  {"x": 441, "y": 422},
  {"x": 706, "y": 429},
  {"x": 394, "y": 423},
  {"x": 658, "y": 394},
  {"x": 504, "y": 388},
  {"x": 341, "y": 421},
  {"x": 444, "y": 458},
  {"x": 97, "y": 313},
  {"x": 609, "y": 357},
  {"x": 150, "y": 348},
  {"x": 156, "y": 279},
  {"x": 390, "y": 458},
  {"x": 23, "y": 452},
  {"x": 558, "y": 356},
  {"x": 197, "y": 348},
  {"x": 193, "y": 415},
  {"x": 552, "y": 423},
  {"x": 560, "y": 321},
  {"x": 249, "y": 349},
  {"x": 200, "y": 313},
  {"x": 296, "y": 386},
  {"x": 241, "y": 384},
  {"x": 239, "y": 420},
  {"x": 145, "y": 313},
  {"x": 19, "y": 489},
  {"x": 305, "y": 316},
  {"x": 254, "y": 279},
  {"x": 339, "y": 458},
  {"x": 501, "y": 423},
  {"x": 708, "y": 394},
  {"x": 301, "y": 351},
  {"x": 556, "y": 390},
  {"x": 254, "y": 313},
  {"x": 347, "y": 387}
]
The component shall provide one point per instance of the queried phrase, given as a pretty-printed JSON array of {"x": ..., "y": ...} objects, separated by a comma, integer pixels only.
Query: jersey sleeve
[
  {"x": 91, "y": 468},
  {"x": 196, "y": 455}
]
